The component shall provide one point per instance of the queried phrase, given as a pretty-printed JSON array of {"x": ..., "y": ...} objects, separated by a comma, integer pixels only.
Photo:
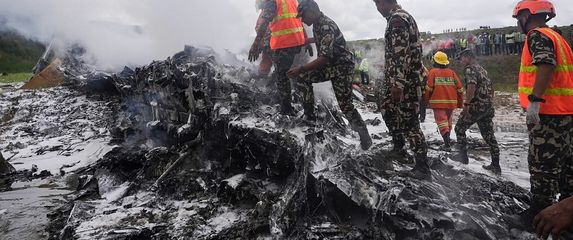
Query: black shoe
[
  {"x": 401, "y": 156},
  {"x": 286, "y": 109},
  {"x": 421, "y": 173},
  {"x": 494, "y": 168},
  {"x": 421, "y": 170},
  {"x": 461, "y": 156}
]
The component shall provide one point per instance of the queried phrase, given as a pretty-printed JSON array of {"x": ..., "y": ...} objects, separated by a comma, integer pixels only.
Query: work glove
[
  {"x": 309, "y": 50},
  {"x": 533, "y": 113}
]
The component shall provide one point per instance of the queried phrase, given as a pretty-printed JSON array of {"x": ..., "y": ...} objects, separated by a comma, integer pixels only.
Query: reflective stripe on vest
[
  {"x": 286, "y": 29},
  {"x": 559, "y": 94}
]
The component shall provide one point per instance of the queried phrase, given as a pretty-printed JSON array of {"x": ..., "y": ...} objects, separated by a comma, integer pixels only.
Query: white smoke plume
[{"x": 133, "y": 32}]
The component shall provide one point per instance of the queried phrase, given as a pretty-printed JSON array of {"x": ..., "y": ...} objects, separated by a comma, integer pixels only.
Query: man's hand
[
  {"x": 533, "y": 114},
  {"x": 309, "y": 50},
  {"x": 294, "y": 72},
  {"x": 255, "y": 51},
  {"x": 554, "y": 219},
  {"x": 397, "y": 94}
]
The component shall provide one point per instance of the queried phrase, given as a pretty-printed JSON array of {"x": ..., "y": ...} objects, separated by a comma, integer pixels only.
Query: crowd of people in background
[{"x": 489, "y": 42}]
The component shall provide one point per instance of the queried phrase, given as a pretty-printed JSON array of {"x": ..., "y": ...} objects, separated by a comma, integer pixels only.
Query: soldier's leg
[
  {"x": 283, "y": 59},
  {"x": 566, "y": 183},
  {"x": 412, "y": 130},
  {"x": 390, "y": 117},
  {"x": 341, "y": 78},
  {"x": 488, "y": 134},
  {"x": 464, "y": 123},
  {"x": 304, "y": 85},
  {"x": 545, "y": 146}
]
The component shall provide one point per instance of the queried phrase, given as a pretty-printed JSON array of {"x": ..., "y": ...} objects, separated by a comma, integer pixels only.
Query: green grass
[{"x": 15, "y": 77}]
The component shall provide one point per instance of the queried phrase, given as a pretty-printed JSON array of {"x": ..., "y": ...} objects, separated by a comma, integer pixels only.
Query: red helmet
[{"x": 535, "y": 7}]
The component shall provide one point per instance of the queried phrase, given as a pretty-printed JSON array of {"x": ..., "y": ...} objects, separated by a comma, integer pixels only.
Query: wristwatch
[{"x": 533, "y": 98}]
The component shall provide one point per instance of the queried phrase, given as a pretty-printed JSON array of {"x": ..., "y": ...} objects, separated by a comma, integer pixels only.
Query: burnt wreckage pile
[{"x": 200, "y": 138}]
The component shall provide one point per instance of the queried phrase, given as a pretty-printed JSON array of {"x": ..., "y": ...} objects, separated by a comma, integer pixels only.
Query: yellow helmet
[{"x": 441, "y": 58}]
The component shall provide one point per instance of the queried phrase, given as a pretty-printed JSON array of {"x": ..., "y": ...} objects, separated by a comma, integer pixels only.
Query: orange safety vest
[
  {"x": 444, "y": 89},
  {"x": 559, "y": 95},
  {"x": 286, "y": 28}
]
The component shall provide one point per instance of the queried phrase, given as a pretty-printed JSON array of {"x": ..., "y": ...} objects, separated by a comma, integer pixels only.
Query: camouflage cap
[{"x": 304, "y": 5}]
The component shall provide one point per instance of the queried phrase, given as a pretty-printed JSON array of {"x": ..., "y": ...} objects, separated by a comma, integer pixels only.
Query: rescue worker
[
  {"x": 546, "y": 92},
  {"x": 444, "y": 93},
  {"x": 401, "y": 92},
  {"x": 364, "y": 67},
  {"x": 287, "y": 38},
  {"x": 334, "y": 63},
  {"x": 478, "y": 108},
  {"x": 266, "y": 61}
]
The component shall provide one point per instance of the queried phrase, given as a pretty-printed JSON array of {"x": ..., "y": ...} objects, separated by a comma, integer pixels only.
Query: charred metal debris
[{"x": 203, "y": 154}]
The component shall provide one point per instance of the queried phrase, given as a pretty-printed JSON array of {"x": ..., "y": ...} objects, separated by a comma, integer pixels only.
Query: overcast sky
[{"x": 106, "y": 27}]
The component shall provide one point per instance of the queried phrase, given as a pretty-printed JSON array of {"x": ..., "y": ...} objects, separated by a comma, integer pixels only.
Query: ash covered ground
[{"x": 188, "y": 148}]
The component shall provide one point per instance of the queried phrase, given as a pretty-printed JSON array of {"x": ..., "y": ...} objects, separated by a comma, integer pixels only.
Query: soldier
[
  {"x": 334, "y": 63},
  {"x": 478, "y": 108},
  {"x": 546, "y": 91},
  {"x": 402, "y": 89},
  {"x": 287, "y": 38}
]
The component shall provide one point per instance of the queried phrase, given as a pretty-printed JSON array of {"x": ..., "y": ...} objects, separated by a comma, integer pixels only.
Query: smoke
[{"x": 133, "y": 32}]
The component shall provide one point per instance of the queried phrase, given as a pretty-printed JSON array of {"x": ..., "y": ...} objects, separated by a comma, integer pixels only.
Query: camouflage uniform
[
  {"x": 550, "y": 141},
  {"x": 404, "y": 69},
  {"x": 480, "y": 110},
  {"x": 330, "y": 43},
  {"x": 282, "y": 58}
]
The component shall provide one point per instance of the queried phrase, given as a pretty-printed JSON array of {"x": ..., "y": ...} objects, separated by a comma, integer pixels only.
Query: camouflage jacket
[
  {"x": 403, "y": 51},
  {"x": 330, "y": 42},
  {"x": 541, "y": 48},
  {"x": 483, "y": 97}
]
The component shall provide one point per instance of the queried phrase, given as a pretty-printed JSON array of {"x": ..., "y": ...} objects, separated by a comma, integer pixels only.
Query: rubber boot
[
  {"x": 286, "y": 108},
  {"x": 447, "y": 147},
  {"x": 359, "y": 126},
  {"x": 421, "y": 170},
  {"x": 309, "y": 114},
  {"x": 462, "y": 155},
  {"x": 494, "y": 166}
]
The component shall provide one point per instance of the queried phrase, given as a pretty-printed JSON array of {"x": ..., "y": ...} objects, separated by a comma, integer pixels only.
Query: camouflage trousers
[
  {"x": 551, "y": 159},
  {"x": 341, "y": 78},
  {"x": 283, "y": 60},
  {"x": 403, "y": 122},
  {"x": 484, "y": 120}
]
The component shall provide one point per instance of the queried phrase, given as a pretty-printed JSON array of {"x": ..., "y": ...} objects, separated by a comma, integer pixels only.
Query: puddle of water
[{"x": 23, "y": 211}]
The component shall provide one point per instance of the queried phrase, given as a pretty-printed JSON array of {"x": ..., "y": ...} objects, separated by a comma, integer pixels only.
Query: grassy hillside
[{"x": 18, "y": 54}]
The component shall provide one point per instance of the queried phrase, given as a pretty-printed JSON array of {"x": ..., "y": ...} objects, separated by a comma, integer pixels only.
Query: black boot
[
  {"x": 359, "y": 126},
  {"x": 309, "y": 112},
  {"x": 447, "y": 147},
  {"x": 462, "y": 155},
  {"x": 494, "y": 166},
  {"x": 286, "y": 108},
  {"x": 421, "y": 170}
]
